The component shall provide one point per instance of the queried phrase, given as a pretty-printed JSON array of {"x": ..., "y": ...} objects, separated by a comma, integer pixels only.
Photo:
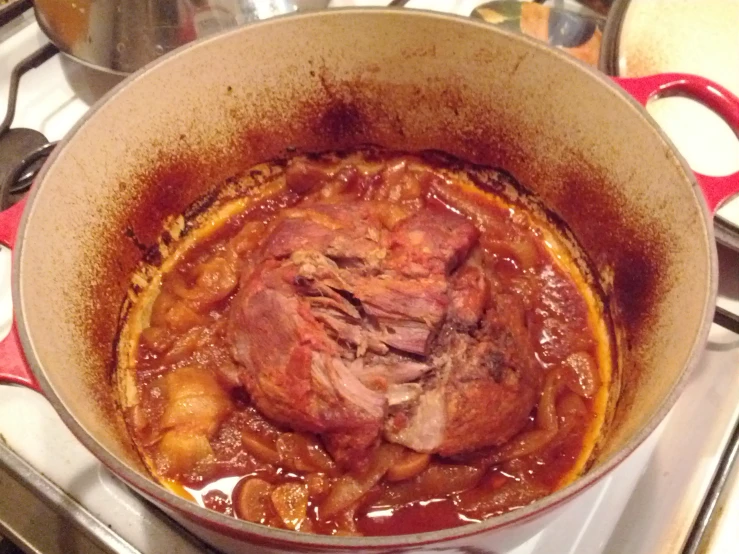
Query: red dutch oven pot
[{"x": 406, "y": 80}]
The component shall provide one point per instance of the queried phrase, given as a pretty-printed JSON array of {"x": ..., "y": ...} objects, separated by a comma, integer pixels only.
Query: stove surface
[{"x": 647, "y": 505}]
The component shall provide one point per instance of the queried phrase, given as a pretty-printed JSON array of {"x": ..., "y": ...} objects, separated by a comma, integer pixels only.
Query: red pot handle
[
  {"x": 716, "y": 190},
  {"x": 13, "y": 365}
]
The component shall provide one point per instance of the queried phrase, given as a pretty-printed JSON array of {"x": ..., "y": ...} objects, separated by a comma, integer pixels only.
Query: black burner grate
[{"x": 22, "y": 151}]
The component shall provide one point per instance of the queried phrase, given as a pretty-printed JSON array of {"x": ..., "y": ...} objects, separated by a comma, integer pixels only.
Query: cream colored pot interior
[{"x": 406, "y": 80}]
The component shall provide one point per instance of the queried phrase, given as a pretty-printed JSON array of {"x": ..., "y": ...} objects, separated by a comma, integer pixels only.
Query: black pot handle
[{"x": 726, "y": 319}]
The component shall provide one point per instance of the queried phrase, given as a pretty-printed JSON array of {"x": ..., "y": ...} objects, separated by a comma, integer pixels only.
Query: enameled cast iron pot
[{"x": 407, "y": 80}]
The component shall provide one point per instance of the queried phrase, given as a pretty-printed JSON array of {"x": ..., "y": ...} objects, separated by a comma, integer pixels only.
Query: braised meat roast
[{"x": 351, "y": 330}]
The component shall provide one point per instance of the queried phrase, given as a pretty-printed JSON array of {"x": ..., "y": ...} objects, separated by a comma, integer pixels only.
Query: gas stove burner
[{"x": 21, "y": 150}]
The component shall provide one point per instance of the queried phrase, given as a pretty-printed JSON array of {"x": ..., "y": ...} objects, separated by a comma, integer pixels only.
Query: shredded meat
[
  {"x": 430, "y": 242},
  {"x": 494, "y": 382},
  {"x": 483, "y": 390},
  {"x": 351, "y": 237},
  {"x": 292, "y": 369},
  {"x": 468, "y": 297},
  {"x": 350, "y": 329}
]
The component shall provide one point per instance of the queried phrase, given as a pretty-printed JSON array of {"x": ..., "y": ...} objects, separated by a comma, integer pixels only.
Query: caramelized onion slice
[
  {"x": 587, "y": 380},
  {"x": 347, "y": 524},
  {"x": 524, "y": 444},
  {"x": 303, "y": 453},
  {"x": 521, "y": 249},
  {"x": 290, "y": 500},
  {"x": 215, "y": 279},
  {"x": 251, "y": 500},
  {"x": 481, "y": 503},
  {"x": 469, "y": 206},
  {"x": 546, "y": 412},
  {"x": 573, "y": 414},
  {"x": 399, "y": 183},
  {"x": 173, "y": 313},
  {"x": 183, "y": 346},
  {"x": 547, "y": 422},
  {"x": 318, "y": 485},
  {"x": 437, "y": 481},
  {"x": 345, "y": 491},
  {"x": 348, "y": 489},
  {"x": 304, "y": 176},
  {"x": 409, "y": 465},
  {"x": 195, "y": 401},
  {"x": 180, "y": 450},
  {"x": 260, "y": 447},
  {"x": 551, "y": 412},
  {"x": 571, "y": 405},
  {"x": 248, "y": 238}
]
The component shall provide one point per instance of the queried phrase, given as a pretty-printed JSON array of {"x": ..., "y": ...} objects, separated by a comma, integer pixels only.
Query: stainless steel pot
[
  {"x": 401, "y": 79},
  {"x": 123, "y": 35}
]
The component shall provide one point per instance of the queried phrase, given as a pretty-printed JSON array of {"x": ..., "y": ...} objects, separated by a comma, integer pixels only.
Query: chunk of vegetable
[
  {"x": 399, "y": 183},
  {"x": 174, "y": 313},
  {"x": 303, "y": 453},
  {"x": 180, "y": 450},
  {"x": 318, "y": 485},
  {"x": 437, "y": 481},
  {"x": 346, "y": 524},
  {"x": 260, "y": 447},
  {"x": 215, "y": 279},
  {"x": 408, "y": 466},
  {"x": 290, "y": 500},
  {"x": 391, "y": 214},
  {"x": 195, "y": 407},
  {"x": 524, "y": 444},
  {"x": 195, "y": 401},
  {"x": 157, "y": 339},
  {"x": 183, "y": 346},
  {"x": 349, "y": 489},
  {"x": 189, "y": 381},
  {"x": 481, "y": 503},
  {"x": 586, "y": 377},
  {"x": 251, "y": 500},
  {"x": 248, "y": 238},
  {"x": 197, "y": 413}
]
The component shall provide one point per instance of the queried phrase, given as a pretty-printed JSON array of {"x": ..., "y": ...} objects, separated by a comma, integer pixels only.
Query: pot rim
[
  {"x": 243, "y": 529},
  {"x": 64, "y": 49}
]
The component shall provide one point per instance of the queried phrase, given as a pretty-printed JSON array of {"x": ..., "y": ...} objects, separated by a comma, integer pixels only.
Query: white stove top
[{"x": 646, "y": 506}]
